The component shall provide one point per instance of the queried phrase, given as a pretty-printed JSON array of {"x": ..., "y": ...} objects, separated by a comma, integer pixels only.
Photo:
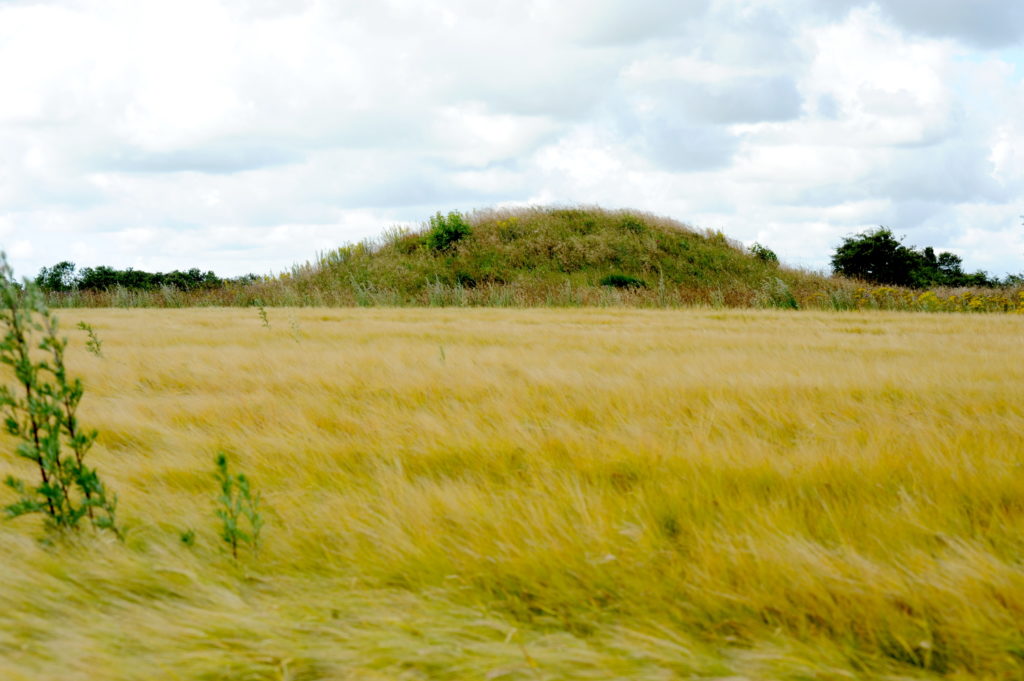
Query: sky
[{"x": 249, "y": 135}]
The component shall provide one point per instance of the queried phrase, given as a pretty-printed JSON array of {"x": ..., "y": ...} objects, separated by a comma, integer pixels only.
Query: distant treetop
[
  {"x": 63, "y": 277},
  {"x": 878, "y": 257}
]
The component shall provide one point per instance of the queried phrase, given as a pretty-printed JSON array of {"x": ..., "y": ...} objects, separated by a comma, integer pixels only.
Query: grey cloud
[
  {"x": 679, "y": 147},
  {"x": 828, "y": 107},
  {"x": 401, "y": 191},
  {"x": 955, "y": 172},
  {"x": 740, "y": 100},
  {"x": 747, "y": 100},
  {"x": 347, "y": 179},
  {"x": 630, "y": 23},
  {"x": 931, "y": 218},
  {"x": 914, "y": 179},
  {"x": 983, "y": 23}
]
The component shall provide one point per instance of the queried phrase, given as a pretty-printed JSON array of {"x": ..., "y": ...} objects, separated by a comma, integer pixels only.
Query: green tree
[
  {"x": 60, "y": 277},
  {"x": 877, "y": 256}
]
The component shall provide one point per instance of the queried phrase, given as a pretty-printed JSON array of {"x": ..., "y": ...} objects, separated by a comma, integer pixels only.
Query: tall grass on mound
[
  {"x": 523, "y": 257},
  {"x": 553, "y": 257},
  {"x": 41, "y": 412},
  {"x": 535, "y": 248}
]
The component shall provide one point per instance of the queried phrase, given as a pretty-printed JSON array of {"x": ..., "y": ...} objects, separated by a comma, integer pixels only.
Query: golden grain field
[{"x": 539, "y": 494}]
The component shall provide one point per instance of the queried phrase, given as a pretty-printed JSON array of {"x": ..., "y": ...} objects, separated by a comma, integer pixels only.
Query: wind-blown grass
[{"x": 555, "y": 494}]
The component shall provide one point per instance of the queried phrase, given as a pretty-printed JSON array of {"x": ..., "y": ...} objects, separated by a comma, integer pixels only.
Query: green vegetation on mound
[
  {"x": 545, "y": 246},
  {"x": 532, "y": 257}
]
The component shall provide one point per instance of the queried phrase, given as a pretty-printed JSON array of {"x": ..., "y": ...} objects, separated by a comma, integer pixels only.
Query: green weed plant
[
  {"x": 235, "y": 502},
  {"x": 41, "y": 411},
  {"x": 94, "y": 345}
]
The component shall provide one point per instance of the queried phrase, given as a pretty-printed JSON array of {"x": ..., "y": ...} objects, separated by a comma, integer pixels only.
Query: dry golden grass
[{"x": 540, "y": 494}]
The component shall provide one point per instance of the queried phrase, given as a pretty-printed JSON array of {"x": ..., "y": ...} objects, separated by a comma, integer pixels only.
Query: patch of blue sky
[{"x": 1013, "y": 56}]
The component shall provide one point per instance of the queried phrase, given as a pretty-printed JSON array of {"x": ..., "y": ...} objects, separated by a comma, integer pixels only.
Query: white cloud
[
  {"x": 21, "y": 249},
  {"x": 245, "y": 135}
]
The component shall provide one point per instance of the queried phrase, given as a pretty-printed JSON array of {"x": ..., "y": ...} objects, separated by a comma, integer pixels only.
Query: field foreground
[{"x": 539, "y": 494}]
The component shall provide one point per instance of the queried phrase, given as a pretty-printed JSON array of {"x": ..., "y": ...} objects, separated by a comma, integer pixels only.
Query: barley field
[{"x": 538, "y": 494}]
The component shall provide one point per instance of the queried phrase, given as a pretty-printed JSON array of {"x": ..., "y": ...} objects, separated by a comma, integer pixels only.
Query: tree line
[
  {"x": 63, "y": 277},
  {"x": 878, "y": 257}
]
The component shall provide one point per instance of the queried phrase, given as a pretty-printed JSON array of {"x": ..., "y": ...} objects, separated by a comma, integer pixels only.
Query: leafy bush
[
  {"x": 446, "y": 231},
  {"x": 764, "y": 254},
  {"x": 623, "y": 281},
  {"x": 41, "y": 412}
]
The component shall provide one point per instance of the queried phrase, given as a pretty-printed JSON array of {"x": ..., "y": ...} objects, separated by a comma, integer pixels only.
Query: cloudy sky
[{"x": 246, "y": 135}]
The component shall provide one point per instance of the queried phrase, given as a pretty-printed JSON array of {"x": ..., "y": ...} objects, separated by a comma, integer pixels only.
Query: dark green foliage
[
  {"x": 878, "y": 257},
  {"x": 62, "y": 278},
  {"x": 464, "y": 279},
  {"x": 764, "y": 254},
  {"x": 446, "y": 231},
  {"x": 947, "y": 270},
  {"x": 236, "y": 501},
  {"x": 41, "y": 411},
  {"x": 622, "y": 281}
]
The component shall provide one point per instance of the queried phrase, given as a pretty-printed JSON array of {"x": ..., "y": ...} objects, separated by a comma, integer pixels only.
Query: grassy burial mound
[
  {"x": 537, "y": 256},
  {"x": 528, "y": 257},
  {"x": 523, "y": 257}
]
